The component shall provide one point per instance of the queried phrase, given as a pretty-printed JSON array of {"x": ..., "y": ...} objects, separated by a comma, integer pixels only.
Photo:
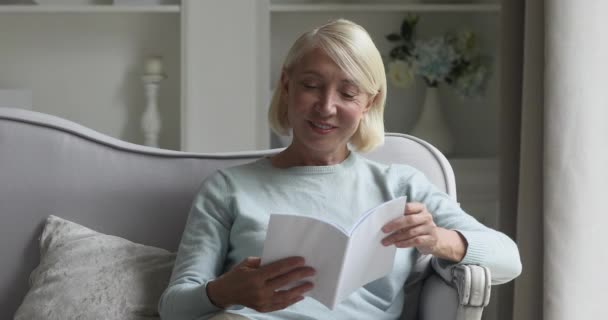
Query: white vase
[{"x": 431, "y": 125}]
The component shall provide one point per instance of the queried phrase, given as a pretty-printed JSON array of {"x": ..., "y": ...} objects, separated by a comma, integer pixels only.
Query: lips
[{"x": 321, "y": 127}]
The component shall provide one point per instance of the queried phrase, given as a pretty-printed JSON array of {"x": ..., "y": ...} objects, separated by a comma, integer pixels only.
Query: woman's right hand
[{"x": 257, "y": 287}]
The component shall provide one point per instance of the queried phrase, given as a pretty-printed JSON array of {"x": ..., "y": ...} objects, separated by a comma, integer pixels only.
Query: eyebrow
[{"x": 314, "y": 73}]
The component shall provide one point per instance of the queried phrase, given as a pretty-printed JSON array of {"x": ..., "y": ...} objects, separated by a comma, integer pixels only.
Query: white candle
[{"x": 154, "y": 66}]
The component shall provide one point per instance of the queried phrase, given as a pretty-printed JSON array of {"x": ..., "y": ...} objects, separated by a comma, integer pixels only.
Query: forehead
[{"x": 318, "y": 62}]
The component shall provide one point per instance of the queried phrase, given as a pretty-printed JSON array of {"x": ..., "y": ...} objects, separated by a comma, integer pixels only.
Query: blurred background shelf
[
  {"x": 89, "y": 9},
  {"x": 383, "y": 7}
]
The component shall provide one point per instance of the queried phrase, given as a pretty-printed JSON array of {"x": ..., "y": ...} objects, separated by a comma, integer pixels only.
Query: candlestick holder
[{"x": 150, "y": 122}]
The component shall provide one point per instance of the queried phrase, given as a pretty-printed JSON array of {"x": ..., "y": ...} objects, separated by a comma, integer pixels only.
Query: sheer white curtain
[{"x": 555, "y": 158}]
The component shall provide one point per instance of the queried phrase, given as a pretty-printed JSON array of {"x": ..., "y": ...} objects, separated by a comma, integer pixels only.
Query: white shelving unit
[
  {"x": 301, "y": 7},
  {"x": 88, "y": 9},
  {"x": 189, "y": 35},
  {"x": 84, "y": 63},
  {"x": 384, "y": 7}
]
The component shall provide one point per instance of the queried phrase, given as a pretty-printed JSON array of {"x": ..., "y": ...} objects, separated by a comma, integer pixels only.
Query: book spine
[{"x": 338, "y": 295}]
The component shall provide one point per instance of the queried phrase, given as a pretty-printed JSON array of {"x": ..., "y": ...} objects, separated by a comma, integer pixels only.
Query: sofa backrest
[{"x": 49, "y": 165}]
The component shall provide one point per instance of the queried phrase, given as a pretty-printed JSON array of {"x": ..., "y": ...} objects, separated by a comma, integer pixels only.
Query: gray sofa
[{"x": 49, "y": 165}]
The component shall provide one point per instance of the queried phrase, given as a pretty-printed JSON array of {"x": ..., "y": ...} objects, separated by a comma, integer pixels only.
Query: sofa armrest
[{"x": 465, "y": 288}]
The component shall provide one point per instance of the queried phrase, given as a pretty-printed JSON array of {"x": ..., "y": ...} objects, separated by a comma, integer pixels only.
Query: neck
[{"x": 294, "y": 156}]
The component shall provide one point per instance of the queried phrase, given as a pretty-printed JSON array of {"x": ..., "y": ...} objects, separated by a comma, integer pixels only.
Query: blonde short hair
[{"x": 353, "y": 50}]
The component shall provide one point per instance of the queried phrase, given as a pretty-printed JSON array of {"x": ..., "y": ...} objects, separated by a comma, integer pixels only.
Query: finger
[
  {"x": 421, "y": 241},
  {"x": 414, "y": 207},
  {"x": 294, "y": 292},
  {"x": 406, "y": 234},
  {"x": 291, "y": 276},
  {"x": 292, "y": 295},
  {"x": 280, "y": 267},
  {"x": 284, "y": 298},
  {"x": 409, "y": 221},
  {"x": 250, "y": 262}
]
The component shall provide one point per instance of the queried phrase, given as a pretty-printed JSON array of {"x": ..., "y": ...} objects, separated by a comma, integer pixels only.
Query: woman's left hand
[{"x": 416, "y": 228}]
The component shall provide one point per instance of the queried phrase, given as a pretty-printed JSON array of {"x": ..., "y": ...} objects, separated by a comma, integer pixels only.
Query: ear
[
  {"x": 370, "y": 103},
  {"x": 284, "y": 81}
]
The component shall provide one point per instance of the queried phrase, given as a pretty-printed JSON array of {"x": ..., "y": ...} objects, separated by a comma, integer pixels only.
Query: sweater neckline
[{"x": 346, "y": 163}]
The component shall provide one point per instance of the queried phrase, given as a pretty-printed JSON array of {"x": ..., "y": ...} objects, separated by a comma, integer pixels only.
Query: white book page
[
  {"x": 321, "y": 244},
  {"x": 366, "y": 258}
]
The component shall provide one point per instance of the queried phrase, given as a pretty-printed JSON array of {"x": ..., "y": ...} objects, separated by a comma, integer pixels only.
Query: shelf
[
  {"x": 89, "y": 9},
  {"x": 287, "y": 8},
  {"x": 476, "y": 177},
  {"x": 385, "y": 7}
]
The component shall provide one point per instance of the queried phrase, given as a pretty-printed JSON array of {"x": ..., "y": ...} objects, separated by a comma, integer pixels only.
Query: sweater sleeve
[
  {"x": 201, "y": 254},
  {"x": 485, "y": 246}
]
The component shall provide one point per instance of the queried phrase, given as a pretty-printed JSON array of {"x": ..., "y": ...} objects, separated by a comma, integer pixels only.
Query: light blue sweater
[{"x": 230, "y": 214}]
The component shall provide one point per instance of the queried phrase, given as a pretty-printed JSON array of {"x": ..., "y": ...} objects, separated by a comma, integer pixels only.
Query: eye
[
  {"x": 349, "y": 91},
  {"x": 309, "y": 85},
  {"x": 349, "y": 95}
]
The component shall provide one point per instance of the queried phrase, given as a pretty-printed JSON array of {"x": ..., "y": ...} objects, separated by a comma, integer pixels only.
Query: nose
[{"x": 326, "y": 106}]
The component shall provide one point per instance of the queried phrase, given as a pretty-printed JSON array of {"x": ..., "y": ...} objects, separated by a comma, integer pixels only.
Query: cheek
[
  {"x": 297, "y": 108},
  {"x": 354, "y": 114},
  {"x": 302, "y": 99},
  {"x": 300, "y": 103}
]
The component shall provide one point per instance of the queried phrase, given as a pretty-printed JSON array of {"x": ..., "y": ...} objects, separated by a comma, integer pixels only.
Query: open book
[{"x": 344, "y": 260}]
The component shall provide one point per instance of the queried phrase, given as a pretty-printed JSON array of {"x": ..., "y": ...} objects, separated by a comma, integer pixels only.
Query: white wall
[{"x": 60, "y": 56}]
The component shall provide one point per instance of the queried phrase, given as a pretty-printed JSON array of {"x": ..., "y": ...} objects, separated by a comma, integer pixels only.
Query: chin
[
  {"x": 324, "y": 146},
  {"x": 327, "y": 143}
]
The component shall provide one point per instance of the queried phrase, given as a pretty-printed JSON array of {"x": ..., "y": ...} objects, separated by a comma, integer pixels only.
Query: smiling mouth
[{"x": 321, "y": 126}]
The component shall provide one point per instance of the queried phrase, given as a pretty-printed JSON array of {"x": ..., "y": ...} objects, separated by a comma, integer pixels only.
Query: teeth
[{"x": 318, "y": 125}]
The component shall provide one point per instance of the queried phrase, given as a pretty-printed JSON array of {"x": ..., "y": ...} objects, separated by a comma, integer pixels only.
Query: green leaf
[
  {"x": 408, "y": 25},
  {"x": 393, "y": 37},
  {"x": 407, "y": 30}
]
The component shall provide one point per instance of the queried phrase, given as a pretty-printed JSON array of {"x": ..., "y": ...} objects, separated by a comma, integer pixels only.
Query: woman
[{"x": 331, "y": 95}]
